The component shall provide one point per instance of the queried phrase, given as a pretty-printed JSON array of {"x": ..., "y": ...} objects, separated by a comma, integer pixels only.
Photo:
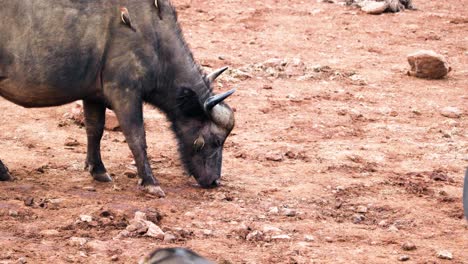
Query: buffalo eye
[{"x": 199, "y": 143}]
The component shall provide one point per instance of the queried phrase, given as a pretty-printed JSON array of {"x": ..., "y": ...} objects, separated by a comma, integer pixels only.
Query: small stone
[
  {"x": 267, "y": 87},
  {"x": 154, "y": 231},
  {"x": 428, "y": 64},
  {"x": 168, "y": 237},
  {"x": 130, "y": 174},
  {"x": 383, "y": 223},
  {"x": 89, "y": 188},
  {"x": 288, "y": 212},
  {"x": 254, "y": 236},
  {"x": 328, "y": 239},
  {"x": 86, "y": 218},
  {"x": 22, "y": 260},
  {"x": 393, "y": 228},
  {"x": 29, "y": 201},
  {"x": 267, "y": 229},
  {"x": 138, "y": 227},
  {"x": 358, "y": 218},
  {"x": 49, "y": 232},
  {"x": 13, "y": 213},
  {"x": 445, "y": 254},
  {"x": 115, "y": 258},
  {"x": 207, "y": 232},
  {"x": 408, "y": 246},
  {"x": 403, "y": 258},
  {"x": 140, "y": 216},
  {"x": 361, "y": 209},
  {"x": 281, "y": 237},
  {"x": 77, "y": 241},
  {"x": 309, "y": 238},
  {"x": 71, "y": 142},
  {"x": 273, "y": 210},
  {"x": 274, "y": 156},
  {"x": 451, "y": 112},
  {"x": 375, "y": 8}
]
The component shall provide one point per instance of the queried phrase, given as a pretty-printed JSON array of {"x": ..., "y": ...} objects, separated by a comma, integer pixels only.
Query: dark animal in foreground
[
  {"x": 465, "y": 195},
  {"x": 53, "y": 52},
  {"x": 174, "y": 256}
]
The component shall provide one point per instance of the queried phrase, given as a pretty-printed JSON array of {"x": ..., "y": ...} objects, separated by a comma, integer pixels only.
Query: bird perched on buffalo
[{"x": 174, "y": 256}]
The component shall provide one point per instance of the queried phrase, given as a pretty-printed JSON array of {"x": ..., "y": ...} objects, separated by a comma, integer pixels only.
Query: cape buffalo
[{"x": 53, "y": 52}]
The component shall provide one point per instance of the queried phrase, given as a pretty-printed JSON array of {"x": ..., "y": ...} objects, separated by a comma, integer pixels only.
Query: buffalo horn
[
  {"x": 216, "y": 99},
  {"x": 212, "y": 76}
]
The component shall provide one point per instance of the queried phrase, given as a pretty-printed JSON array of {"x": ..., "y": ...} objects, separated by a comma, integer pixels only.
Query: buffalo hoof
[
  {"x": 102, "y": 177},
  {"x": 4, "y": 173},
  {"x": 154, "y": 190}
]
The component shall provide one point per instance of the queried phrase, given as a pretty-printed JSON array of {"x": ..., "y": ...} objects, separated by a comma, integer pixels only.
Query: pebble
[
  {"x": 22, "y": 260},
  {"x": 281, "y": 237},
  {"x": 289, "y": 212},
  {"x": 254, "y": 236},
  {"x": 428, "y": 64},
  {"x": 408, "y": 246},
  {"x": 207, "y": 232},
  {"x": 138, "y": 227},
  {"x": 393, "y": 228},
  {"x": 274, "y": 156},
  {"x": 89, "y": 188},
  {"x": 71, "y": 142},
  {"x": 358, "y": 218},
  {"x": 77, "y": 241},
  {"x": 115, "y": 258},
  {"x": 140, "y": 216},
  {"x": 403, "y": 258},
  {"x": 361, "y": 209},
  {"x": 383, "y": 223},
  {"x": 273, "y": 210},
  {"x": 29, "y": 201},
  {"x": 13, "y": 213},
  {"x": 168, "y": 237},
  {"x": 86, "y": 218},
  {"x": 267, "y": 229},
  {"x": 445, "y": 254},
  {"x": 49, "y": 232},
  {"x": 328, "y": 239},
  {"x": 130, "y": 174},
  {"x": 309, "y": 238},
  {"x": 451, "y": 112},
  {"x": 154, "y": 231}
]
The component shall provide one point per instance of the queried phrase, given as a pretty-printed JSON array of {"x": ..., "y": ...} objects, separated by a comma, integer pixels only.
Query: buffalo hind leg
[
  {"x": 129, "y": 111},
  {"x": 4, "y": 173},
  {"x": 95, "y": 117}
]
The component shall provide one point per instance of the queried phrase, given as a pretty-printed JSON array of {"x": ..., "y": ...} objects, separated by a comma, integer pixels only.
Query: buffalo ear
[{"x": 188, "y": 103}]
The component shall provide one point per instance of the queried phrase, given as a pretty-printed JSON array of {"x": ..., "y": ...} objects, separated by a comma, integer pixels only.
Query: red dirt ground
[{"x": 345, "y": 124}]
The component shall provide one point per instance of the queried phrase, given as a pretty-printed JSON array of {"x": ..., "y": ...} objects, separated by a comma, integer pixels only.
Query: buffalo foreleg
[
  {"x": 129, "y": 111},
  {"x": 95, "y": 118},
  {"x": 4, "y": 173}
]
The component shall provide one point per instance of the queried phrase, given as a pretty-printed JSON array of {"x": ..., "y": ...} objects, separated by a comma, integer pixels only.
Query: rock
[
  {"x": 273, "y": 210},
  {"x": 281, "y": 237},
  {"x": 137, "y": 227},
  {"x": 358, "y": 218},
  {"x": 154, "y": 230},
  {"x": 13, "y": 213},
  {"x": 207, "y": 232},
  {"x": 29, "y": 201},
  {"x": 408, "y": 246},
  {"x": 89, "y": 188},
  {"x": 22, "y": 260},
  {"x": 112, "y": 123},
  {"x": 255, "y": 236},
  {"x": 115, "y": 258},
  {"x": 130, "y": 173},
  {"x": 393, "y": 228},
  {"x": 374, "y": 8},
  {"x": 77, "y": 241},
  {"x": 444, "y": 254},
  {"x": 309, "y": 238},
  {"x": 86, "y": 218},
  {"x": 140, "y": 216},
  {"x": 242, "y": 230},
  {"x": 288, "y": 212},
  {"x": 383, "y": 223},
  {"x": 451, "y": 112},
  {"x": 428, "y": 64},
  {"x": 168, "y": 237},
  {"x": 403, "y": 258},
  {"x": 328, "y": 239},
  {"x": 97, "y": 245},
  {"x": 267, "y": 229},
  {"x": 71, "y": 142},
  {"x": 361, "y": 209},
  {"x": 274, "y": 156},
  {"x": 49, "y": 232}
]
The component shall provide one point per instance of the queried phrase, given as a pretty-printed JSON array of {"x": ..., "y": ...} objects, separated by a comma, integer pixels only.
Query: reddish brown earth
[{"x": 345, "y": 124}]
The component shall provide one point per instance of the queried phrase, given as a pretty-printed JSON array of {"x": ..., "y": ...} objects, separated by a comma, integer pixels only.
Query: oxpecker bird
[{"x": 125, "y": 16}]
